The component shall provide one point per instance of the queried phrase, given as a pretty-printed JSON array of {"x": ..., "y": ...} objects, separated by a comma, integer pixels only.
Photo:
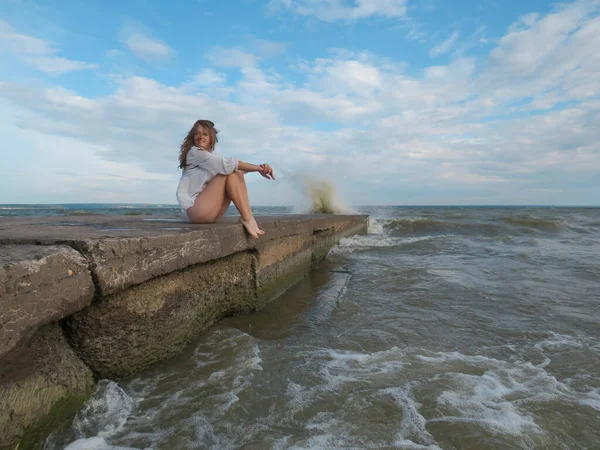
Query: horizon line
[{"x": 352, "y": 206}]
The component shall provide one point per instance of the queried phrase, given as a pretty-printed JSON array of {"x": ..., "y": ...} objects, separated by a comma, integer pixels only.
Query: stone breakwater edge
[{"x": 84, "y": 298}]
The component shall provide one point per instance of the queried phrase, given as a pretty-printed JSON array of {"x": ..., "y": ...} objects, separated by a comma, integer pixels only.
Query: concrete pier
[{"x": 89, "y": 297}]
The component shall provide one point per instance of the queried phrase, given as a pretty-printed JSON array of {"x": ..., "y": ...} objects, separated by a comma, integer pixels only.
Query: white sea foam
[
  {"x": 558, "y": 342},
  {"x": 483, "y": 400},
  {"x": 412, "y": 219},
  {"x": 497, "y": 398},
  {"x": 592, "y": 399},
  {"x": 95, "y": 443},
  {"x": 102, "y": 416},
  {"x": 413, "y": 424},
  {"x": 442, "y": 357},
  {"x": 332, "y": 371},
  {"x": 410, "y": 445},
  {"x": 377, "y": 236},
  {"x": 375, "y": 226},
  {"x": 362, "y": 363},
  {"x": 105, "y": 412},
  {"x": 109, "y": 418},
  {"x": 351, "y": 244},
  {"x": 330, "y": 298},
  {"x": 322, "y": 441}
]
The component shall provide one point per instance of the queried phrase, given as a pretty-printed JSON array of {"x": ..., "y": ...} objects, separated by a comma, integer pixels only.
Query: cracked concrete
[{"x": 39, "y": 285}]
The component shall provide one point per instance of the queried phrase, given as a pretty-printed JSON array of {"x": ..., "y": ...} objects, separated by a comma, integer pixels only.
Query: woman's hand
[{"x": 267, "y": 172}]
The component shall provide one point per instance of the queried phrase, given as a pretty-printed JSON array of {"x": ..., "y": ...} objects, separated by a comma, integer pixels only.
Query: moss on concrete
[
  {"x": 124, "y": 333},
  {"x": 273, "y": 280},
  {"x": 323, "y": 240},
  {"x": 41, "y": 385},
  {"x": 62, "y": 412}
]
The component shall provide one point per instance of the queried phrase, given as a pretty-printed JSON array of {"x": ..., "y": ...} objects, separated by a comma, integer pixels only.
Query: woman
[{"x": 209, "y": 183}]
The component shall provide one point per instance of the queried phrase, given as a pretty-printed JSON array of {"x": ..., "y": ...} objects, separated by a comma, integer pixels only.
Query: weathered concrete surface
[
  {"x": 41, "y": 384},
  {"x": 124, "y": 333},
  {"x": 125, "y": 251},
  {"x": 39, "y": 285},
  {"x": 280, "y": 264}
]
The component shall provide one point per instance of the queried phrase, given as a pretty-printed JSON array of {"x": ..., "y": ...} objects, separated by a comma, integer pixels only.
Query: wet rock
[
  {"x": 42, "y": 383},
  {"x": 39, "y": 285}
]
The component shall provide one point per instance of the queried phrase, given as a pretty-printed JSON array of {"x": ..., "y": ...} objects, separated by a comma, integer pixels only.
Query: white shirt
[{"x": 201, "y": 166}]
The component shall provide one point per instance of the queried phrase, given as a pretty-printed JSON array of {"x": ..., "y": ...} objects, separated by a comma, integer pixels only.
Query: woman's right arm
[
  {"x": 225, "y": 165},
  {"x": 264, "y": 169}
]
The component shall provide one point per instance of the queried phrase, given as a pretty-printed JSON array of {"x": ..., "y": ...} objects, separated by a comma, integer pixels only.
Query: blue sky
[{"x": 395, "y": 101}]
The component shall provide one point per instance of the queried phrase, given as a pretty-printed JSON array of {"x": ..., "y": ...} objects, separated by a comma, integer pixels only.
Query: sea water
[{"x": 443, "y": 328}]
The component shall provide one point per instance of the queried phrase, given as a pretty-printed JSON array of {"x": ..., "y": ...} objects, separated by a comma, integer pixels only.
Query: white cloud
[
  {"x": 553, "y": 60},
  {"x": 57, "y": 66},
  {"x": 38, "y": 53},
  {"x": 445, "y": 46},
  {"x": 267, "y": 48},
  {"x": 247, "y": 56},
  {"x": 455, "y": 174},
  {"x": 112, "y": 53},
  {"x": 147, "y": 48},
  {"x": 332, "y": 10},
  {"x": 415, "y": 32},
  {"x": 360, "y": 78},
  {"x": 208, "y": 77},
  {"x": 529, "y": 19},
  {"x": 231, "y": 57}
]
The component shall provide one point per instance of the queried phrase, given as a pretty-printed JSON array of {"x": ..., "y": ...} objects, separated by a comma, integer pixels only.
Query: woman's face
[{"x": 202, "y": 138}]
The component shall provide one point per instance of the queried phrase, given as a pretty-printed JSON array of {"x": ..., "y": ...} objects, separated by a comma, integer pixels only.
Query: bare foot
[{"x": 252, "y": 227}]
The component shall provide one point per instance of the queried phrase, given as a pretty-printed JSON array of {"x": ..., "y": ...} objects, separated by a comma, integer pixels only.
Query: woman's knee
[{"x": 236, "y": 175}]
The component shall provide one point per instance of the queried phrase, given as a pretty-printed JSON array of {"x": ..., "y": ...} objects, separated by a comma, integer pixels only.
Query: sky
[{"x": 395, "y": 102}]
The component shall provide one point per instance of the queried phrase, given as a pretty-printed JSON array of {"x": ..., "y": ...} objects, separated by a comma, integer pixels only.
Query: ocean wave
[
  {"x": 85, "y": 213},
  {"x": 418, "y": 225},
  {"x": 375, "y": 226},
  {"x": 359, "y": 243},
  {"x": 32, "y": 208},
  {"x": 502, "y": 226},
  {"x": 533, "y": 222}
]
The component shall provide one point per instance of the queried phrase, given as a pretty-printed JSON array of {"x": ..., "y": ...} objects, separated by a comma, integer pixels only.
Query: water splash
[{"x": 324, "y": 196}]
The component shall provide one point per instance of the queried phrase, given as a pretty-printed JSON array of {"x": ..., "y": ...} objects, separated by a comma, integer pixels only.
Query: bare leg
[
  {"x": 235, "y": 189},
  {"x": 226, "y": 202},
  {"x": 215, "y": 198},
  {"x": 224, "y": 207},
  {"x": 209, "y": 202}
]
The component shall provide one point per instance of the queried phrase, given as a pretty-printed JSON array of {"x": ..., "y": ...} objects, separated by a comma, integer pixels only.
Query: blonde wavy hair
[{"x": 188, "y": 142}]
